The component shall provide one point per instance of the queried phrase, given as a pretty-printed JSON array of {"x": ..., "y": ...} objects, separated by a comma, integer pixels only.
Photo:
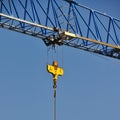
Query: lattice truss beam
[{"x": 63, "y": 22}]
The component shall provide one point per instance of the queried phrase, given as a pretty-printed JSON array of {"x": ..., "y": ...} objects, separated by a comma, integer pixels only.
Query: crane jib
[
  {"x": 71, "y": 35},
  {"x": 60, "y": 37},
  {"x": 63, "y": 34},
  {"x": 27, "y": 22}
]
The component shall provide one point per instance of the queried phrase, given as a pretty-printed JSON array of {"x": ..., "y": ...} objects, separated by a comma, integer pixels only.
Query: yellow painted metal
[{"x": 55, "y": 70}]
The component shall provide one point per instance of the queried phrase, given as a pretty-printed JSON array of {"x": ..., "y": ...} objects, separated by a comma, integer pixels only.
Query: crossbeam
[
  {"x": 69, "y": 23},
  {"x": 26, "y": 22},
  {"x": 63, "y": 34},
  {"x": 67, "y": 35}
]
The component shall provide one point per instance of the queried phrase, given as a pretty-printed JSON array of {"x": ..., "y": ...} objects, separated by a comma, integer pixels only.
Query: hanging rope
[
  {"x": 54, "y": 69},
  {"x": 54, "y": 103},
  {"x": 62, "y": 56}
]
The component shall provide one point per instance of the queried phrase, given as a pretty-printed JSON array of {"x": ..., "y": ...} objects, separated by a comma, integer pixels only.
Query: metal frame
[{"x": 64, "y": 23}]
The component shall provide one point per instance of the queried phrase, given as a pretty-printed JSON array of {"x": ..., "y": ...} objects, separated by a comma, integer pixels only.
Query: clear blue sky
[{"x": 89, "y": 89}]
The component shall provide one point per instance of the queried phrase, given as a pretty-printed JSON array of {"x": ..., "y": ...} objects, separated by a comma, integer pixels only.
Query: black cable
[{"x": 54, "y": 103}]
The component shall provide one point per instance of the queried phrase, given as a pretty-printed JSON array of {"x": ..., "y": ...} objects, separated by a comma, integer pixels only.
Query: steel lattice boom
[{"x": 63, "y": 22}]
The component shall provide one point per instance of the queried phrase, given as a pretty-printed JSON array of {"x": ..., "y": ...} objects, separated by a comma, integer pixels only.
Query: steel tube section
[
  {"x": 13, "y": 28},
  {"x": 68, "y": 34},
  {"x": 87, "y": 8},
  {"x": 64, "y": 33},
  {"x": 27, "y": 22}
]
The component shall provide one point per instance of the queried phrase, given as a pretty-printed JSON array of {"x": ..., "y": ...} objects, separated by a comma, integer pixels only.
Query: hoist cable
[
  {"x": 54, "y": 103},
  {"x": 47, "y": 56},
  {"x": 62, "y": 56}
]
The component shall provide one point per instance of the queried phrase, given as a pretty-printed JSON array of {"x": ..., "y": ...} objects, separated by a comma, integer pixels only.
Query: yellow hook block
[{"x": 55, "y": 70}]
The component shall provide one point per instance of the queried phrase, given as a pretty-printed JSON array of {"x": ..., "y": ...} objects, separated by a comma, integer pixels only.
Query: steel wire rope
[
  {"x": 51, "y": 49},
  {"x": 47, "y": 59},
  {"x": 55, "y": 104}
]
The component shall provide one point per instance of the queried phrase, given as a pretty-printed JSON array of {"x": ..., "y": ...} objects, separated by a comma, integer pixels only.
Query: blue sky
[{"x": 89, "y": 89}]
